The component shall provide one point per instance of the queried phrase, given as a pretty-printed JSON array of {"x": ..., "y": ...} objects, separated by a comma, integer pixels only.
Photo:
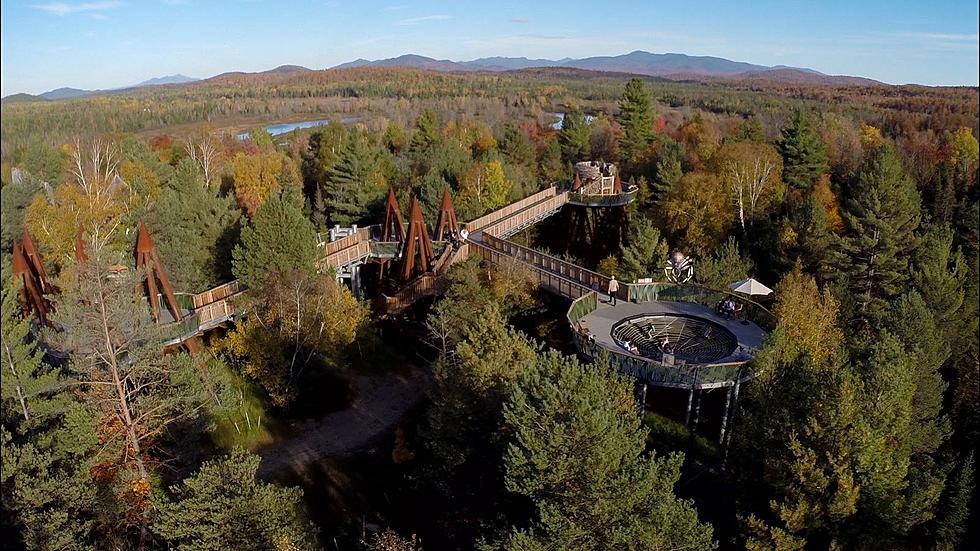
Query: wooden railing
[
  {"x": 547, "y": 264},
  {"x": 351, "y": 253},
  {"x": 551, "y": 273},
  {"x": 215, "y": 294},
  {"x": 216, "y": 311},
  {"x": 362, "y": 234},
  {"x": 422, "y": 286},
  {"x": 492, "y": 218},
  {"x": 527, "y": 216}
]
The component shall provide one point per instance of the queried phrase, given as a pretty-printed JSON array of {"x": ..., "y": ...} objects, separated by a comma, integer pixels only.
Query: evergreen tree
[
  {"x": 667, "y": 168},
  {"x": 517, "y": 146},
  {"x": 426, "y": 132},
  {"x": 574, "y": 137},
  {"x": 13, "y": 206},
  {"x": 355, "y": 184},
  {"x": 812, "y": 239},
  {"x": 636, "y": 118},
  {"x": 804, "y": 153},
  {"x": 802, "y": 413},
  {"x": 939, "y": 273},
  {"x": 646, "y": 252},
  {"x": 724, "y": 266},
  {"x": 956, "y": 514},
  {"x": 46, "y": 439},
  {"x": 278, "y": 240},
  {"x": 881, "y": 217},
  {"x": 194, "y": 229},
  {"x": 577, "y": 453},
  {"x": 224, "y": 506}
]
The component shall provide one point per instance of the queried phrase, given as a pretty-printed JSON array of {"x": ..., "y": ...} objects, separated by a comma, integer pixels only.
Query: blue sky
[{"x": 111, "y": 43}]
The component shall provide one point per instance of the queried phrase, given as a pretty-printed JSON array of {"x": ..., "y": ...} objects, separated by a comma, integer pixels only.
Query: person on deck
[{"x": 613, "y": 289}]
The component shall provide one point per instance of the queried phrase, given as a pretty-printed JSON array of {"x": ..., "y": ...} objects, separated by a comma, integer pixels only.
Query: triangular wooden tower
[
  {"x": 447, "y": 219},
  {"x": 417, "y": 243},
  {"x": 32, "y": 285},
  {"x": 394, "y": 228},
  {"x": 147, "y": 259},
  {"x": 617, "y": 185},
  {"x": 577, "y": 182},
  {"x": 35, "y": 263}
]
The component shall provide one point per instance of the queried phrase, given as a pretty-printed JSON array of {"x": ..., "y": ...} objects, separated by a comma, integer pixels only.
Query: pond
[
  {"x": 285, "y": 127},
  {"x": 561, "y": 119}
]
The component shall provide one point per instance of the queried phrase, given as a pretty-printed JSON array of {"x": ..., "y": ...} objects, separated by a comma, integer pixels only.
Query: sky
[{"x": 93, "y": 44}]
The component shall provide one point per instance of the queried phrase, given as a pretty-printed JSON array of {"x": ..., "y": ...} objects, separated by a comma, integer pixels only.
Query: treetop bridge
[{"x": 408, "y": 254}]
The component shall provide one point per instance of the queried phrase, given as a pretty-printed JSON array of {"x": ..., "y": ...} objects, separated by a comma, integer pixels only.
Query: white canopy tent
[{"x": 750, "y": 287}]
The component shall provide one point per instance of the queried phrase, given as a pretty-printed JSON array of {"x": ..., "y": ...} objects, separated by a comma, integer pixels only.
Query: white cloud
[
  {"x": 66, "y": 8},
  {"x": 423, "y": 19}
]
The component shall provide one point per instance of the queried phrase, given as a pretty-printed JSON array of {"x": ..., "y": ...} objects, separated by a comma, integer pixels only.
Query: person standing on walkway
[{"x": 613, "y": 288}]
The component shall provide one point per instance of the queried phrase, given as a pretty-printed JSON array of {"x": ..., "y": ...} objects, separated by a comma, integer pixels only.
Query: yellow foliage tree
[
  {"x": 92, "y": 198},
  {"x": 256, "y": 178},
  {"x": 698, "y": 211},
  {"x": 823, "y": 193},
  {"x": 292, "y": 319}
]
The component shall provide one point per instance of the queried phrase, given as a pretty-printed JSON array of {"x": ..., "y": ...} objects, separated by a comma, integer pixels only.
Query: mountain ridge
[
  {"x": 672, "y": 66},
  {"x": 675, "y": 66}
]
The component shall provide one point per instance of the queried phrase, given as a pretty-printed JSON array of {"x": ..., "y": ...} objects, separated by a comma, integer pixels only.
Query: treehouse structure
[{"x": 595, "y": 215}]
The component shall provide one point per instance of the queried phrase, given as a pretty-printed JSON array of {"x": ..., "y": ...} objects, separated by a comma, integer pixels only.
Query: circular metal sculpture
[
  {"x": 690, "y": 339},
  {"x": 679, "y": 268}
]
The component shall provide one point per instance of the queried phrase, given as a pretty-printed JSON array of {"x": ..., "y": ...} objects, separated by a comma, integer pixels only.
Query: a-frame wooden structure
[
  {"x": 29, "y": 268},
  {"x": 147, "y": 259},
  {"x": 417, "y": 244},
  {"x": 447, "y": 222},
  {"x": 394, "y": 228}
]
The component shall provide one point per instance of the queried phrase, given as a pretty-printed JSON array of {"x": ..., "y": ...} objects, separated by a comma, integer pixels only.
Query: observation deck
[{"x": 597, "y": 185}]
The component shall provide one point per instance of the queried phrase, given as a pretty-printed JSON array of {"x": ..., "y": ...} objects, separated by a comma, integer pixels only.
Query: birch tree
[{"x": 753, "y": 172}]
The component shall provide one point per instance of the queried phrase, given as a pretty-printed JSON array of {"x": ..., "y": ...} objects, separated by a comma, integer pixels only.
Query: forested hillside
[{"x": 858, "y": 204}]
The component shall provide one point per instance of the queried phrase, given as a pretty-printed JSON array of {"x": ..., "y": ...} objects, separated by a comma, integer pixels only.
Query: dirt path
[{"x": 381, "y": 401}]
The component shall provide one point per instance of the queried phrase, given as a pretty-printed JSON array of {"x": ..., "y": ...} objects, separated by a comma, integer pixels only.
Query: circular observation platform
[
  {"x": 669, "y": 343},
  {"x": 686, "y": 338}
]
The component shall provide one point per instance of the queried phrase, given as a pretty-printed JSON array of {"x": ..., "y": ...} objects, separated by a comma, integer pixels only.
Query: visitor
[
  {"x": 613, "y": 289},
  {"x": 728, "y": 308}
]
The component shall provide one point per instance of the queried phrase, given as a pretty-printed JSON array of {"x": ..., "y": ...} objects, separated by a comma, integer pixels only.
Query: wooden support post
[
  {"x": 724, "y": 415},
  {"x": 697, "y": 412},
  {"x": 690, "y": 400},
  {"x": 728, "y": 438}
]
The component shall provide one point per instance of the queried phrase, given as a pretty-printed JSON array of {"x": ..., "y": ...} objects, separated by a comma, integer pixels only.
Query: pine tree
[
  {"x": 577, "y": 452},
  {"x": 667, "y": 169},
  {"x": 804, "y": 153},
  {"x": 224, "y": 506},
  {"x": 134, "y": 390},
  {"x": 574, "y": 137},
  {"x": 636, "y": 118},
  {"x": 724, "y": 266},
  {"x": 355, "y": 184},
  {"x": 47, "y": 440},
  {"x": 881, "y": 217},
  {"x": 278, "y": 240},
  {"x": 646, "y": 253},
  {"x": 193, "y": 228},
  {"x": 955, "y": 518}
]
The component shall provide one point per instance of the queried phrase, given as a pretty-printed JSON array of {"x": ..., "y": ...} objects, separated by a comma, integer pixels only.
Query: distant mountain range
[
  {"x": 672, "y": 66},
  {"x": 669, "y": 66},
  {"x": 75, "y": 93}
]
